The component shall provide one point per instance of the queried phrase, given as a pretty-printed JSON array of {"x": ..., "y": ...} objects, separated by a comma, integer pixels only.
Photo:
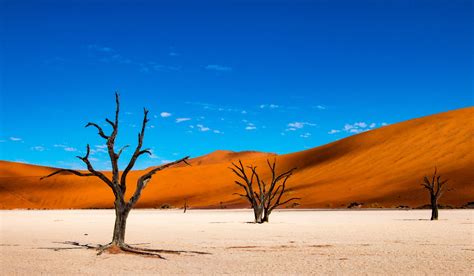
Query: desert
[
  {"x": 57, "y": 225},
  {"x": 318, "y": 242},
  {"x": 274, "y": 137},
  {"x": 380, "y": 168}
]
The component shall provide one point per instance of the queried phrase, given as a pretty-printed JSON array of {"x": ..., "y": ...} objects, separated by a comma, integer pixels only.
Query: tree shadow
[
  {"x": 414, "y": 219},
  {"x": 113, "y": 249}
]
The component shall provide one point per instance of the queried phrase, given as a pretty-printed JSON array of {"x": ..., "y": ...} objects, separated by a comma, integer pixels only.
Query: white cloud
[
  {"x": 165, "y": 114},
  {"x": 305, "y": 135},
  {"x": 100, "y": 48},
  {"x": 220, "y": 68},
  {"x": 347, "y": 127},
  {"x": 250, "y": 126},
  {"x": 38, "y": 148},
  {"x": 243, "y": 112},
  {"x": 15, "y": 139},
  {"x": 70, "y": 149},
  {"x": 99, "y": 148},
  {"x": 355, "y": 130},
  {"x": 163, "y": 68},
  {"x": 214, "y": 107},
  {"x": 217, "y": 131},
  {"x": 202, "y": 128},
  {"x": 271, "y": 106},
  {"x": 109, "y": 55},
  {"x": 356, "y": 127},
  {"x": 298, "y": 125},
  {"x": 180, "y": 120},
  {"x": 320, "y": 107},
  {"x": 360, "y": 124}
]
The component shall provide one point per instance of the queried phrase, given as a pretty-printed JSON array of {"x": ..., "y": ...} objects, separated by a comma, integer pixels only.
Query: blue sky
[{"x": 275, "y": 76}]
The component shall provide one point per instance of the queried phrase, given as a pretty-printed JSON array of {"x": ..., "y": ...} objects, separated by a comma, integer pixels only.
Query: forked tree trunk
[
  {"x": 434, "y": 208},
  {"x": 121, "y": 215}
]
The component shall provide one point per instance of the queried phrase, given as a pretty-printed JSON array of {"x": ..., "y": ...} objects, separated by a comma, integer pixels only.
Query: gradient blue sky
[{"x": 276, "y": 76}]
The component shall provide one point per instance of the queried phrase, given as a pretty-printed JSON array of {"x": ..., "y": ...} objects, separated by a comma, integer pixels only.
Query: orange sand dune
[{"x": 382, "y": 167}]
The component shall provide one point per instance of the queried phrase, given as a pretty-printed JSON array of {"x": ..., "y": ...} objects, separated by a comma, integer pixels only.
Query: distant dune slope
[{"x": 382, "y": 167}]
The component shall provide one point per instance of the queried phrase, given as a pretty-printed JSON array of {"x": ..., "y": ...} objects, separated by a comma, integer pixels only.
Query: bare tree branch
[
  {"x": 263, "y": 198},
  {"x": 91, "y": 169},
  {"x": 147, "y": 151},
  {"x": 111, "y": 146},
  {"x": 101, "y": 132},
  {"x": 110, "y": 122},
  {"x": 137, "y": 151},
  {"x": 436, "y": 188},
  {"x": 118, "y": 186},
  {"x": 78, "y": 173},
  {"x": 285, "y": 202},
  {"x": 144, "y": 179},
  {"x": 121, "y": 150}
]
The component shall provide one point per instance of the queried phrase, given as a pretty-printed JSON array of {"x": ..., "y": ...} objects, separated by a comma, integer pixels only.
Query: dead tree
[
  {"x": 263, "y": 197},
  {"x": 185, "y": 207},
  {"x": 118, "y": 182},
  {"x": 436, "y": 188}
]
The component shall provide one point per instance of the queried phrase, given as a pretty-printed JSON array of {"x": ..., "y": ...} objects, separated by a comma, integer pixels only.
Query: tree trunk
[
  {"x": 121, "y": 215},
  {"x": 266, "y": 216},
  {"x": 434, "y": 208},
  {"x": 258, "y": 212}
]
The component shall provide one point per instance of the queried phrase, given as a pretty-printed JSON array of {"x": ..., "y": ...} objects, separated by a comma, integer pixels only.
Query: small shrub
[{"x": 165, "y": 206}]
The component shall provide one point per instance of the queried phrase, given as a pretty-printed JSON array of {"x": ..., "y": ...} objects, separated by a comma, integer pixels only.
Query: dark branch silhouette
[
  {"x": 263, "y": 197},
  {"x": 118, "y": 182},
  {"x": 185, "y": 206},
  {"x": 436, "y": 188}
]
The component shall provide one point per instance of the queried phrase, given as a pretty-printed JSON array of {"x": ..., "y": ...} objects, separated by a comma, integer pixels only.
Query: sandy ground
[{"x": 294, "y": 242}]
